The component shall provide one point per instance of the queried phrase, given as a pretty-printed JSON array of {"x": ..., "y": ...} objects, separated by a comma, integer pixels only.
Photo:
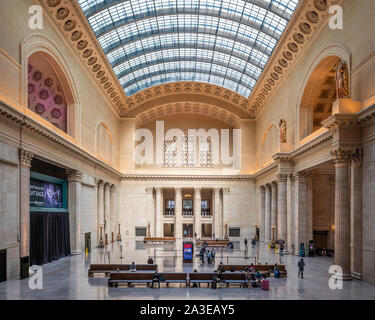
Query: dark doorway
[
  {"x": 187, "y": 230},
  {"x": 88, "y": 242},
  {"x": 3, "y": 265},
  {"x": 168, "y": 230},
  {"x": 321, "y": 239},
  {"x": 257, "y": 233}
]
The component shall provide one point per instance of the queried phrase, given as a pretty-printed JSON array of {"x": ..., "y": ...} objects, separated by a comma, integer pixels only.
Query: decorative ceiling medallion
[
  {"x": 312, "y": 16},
  {"x": 298, "y": 38},
  {"x": 62, "y": 13},
  {"x": 37, "y": 76},
  {"x": 293, "y": 47},
  {"x": 58, "y": 99},
  {"x": 40, "y": 109},
  {"x": 76, "y": 35},
  {"x": 321, "y": 5},
  {"x": 43, "y": 94},
  {"x": 305, "y": 28},
  {"x": 53, "y": 3},
  {"x": 56, "y": 113},
  {"x": 70, "y": 25},
  {"x": 48, "y": 82}
]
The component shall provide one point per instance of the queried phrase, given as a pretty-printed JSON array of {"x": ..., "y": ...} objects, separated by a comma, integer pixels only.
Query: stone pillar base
[
  {"x": 76, "y": 252},
  {"x": 344, "y": 277},
  {"x": 357, "y": 275}
]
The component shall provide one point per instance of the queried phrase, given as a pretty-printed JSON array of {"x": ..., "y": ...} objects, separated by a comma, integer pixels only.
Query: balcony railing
[
  {"x": 205, "y": 212},
  {"x": 169, "y": 212},
  {"x": 187, "y": 212}
]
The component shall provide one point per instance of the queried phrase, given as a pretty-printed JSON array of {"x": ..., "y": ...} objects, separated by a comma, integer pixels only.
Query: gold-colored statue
[
  {"x": 282, "y": 127},
  {"x": 342, "y": 80}
]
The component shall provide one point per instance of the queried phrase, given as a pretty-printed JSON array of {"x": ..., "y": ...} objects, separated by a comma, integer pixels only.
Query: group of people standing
[{"x": 204, "y": 253}]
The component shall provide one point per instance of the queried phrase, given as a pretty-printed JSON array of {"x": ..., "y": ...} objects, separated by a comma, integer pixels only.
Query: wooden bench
[
  {"x": 234, "y": 278},
  {"x": 174, "y": 277},
  {"x": 213, "y": 243},
  {"x": 201, "y": 277},
  {"x": 115, "y": 278},
  {"x": 159, "y": 239},
  {"x": 265, "y": 269},
  {"x": 107, "y": 269}
]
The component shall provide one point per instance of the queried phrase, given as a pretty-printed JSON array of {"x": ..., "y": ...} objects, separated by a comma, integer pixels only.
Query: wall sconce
[{"x": 333, "y": 227}]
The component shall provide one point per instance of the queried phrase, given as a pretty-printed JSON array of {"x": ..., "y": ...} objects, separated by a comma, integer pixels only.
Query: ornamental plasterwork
[
  {"x": 68, "y": 17},
  {"x": 188, "y": 107},
  {"x": 309, "y": 17},
  {"x": 198, "y": 88}
]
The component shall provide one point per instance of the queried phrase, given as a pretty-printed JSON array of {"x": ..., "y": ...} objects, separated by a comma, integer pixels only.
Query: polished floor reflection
[{"x": 67, "y": 278}]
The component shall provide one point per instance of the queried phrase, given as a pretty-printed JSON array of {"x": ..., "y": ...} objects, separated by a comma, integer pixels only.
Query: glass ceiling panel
[{"x": 224, "y": 42}]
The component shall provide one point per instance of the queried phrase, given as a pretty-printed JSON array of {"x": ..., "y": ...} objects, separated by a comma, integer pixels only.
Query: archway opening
[
  {"x": 49, "y": 94},
  {"x": 318, "y": 97}
]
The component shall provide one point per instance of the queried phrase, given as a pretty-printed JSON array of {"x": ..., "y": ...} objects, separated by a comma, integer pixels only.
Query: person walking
[
  {"x": 245, "y": 242},
  {"x": 301, "y": 266},
  {"x": 253, "y": 243}
]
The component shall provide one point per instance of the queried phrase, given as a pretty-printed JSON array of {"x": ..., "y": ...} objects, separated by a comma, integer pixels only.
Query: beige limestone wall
[{"x": 93, "y": 105}]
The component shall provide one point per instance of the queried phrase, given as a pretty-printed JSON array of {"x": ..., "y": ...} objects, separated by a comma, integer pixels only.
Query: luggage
[
  {"x": 265, "y": 285},
  {"x": 213, "y": 284}
]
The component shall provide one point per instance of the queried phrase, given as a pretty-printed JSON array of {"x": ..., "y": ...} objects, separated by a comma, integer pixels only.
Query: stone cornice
[
  {"x": 14, "y": 115},
  {"x": 188, "y": 178},
  {"x": 367, "y": 115},
  {"x": 73, "y": 26},
  {"x": 318, "y": 141},
  {"x": 309, "y": 17},
  {"x": 342, "y": 120}
]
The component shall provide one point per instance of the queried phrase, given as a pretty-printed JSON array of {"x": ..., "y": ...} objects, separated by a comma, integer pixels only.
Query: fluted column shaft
[
  {"x": 289, "y": 232},
  {"x": 282, "y": 207},
  {"x": 217, "y": 214},
  {"x": 178, "y": 213},
  {"x": 74, "y": 207},
  {"x": 226, "y": 211},
  {"x": 274, "y": 208},
  {"x": 197, "y": 212},
  {"x": 158, "y": 213},
  {"x": 25, "y": 164},
  {"x": 342, "y": 212},
  {"x": 267, "y": 218},
  {"x": 100, "y": 210},
  {"x": 113, "y": 210},
  {"x": 262, "y": 212},
  {"x": 107, "y": 208},
  {"x": 300, "y": 211},
  {"x": 356, "y": 215}
]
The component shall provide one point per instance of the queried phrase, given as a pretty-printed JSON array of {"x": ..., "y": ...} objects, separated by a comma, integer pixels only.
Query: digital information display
[
  {"x": 188, "y": 251},
  {"x": 45, "y": 194}
]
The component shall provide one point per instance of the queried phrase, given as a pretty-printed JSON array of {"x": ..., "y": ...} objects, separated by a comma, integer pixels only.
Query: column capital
[
  {"x": 217, "y": 190},
  {"x": 341, "y": 156},
  {"x": 149, "y": 190},
  {"x": 226, "y": 191},
  {"x": 100, "y": 183},
  {"x": 25, "y": 158},
  {"x": 74, "y": 175},
  {"x": 357, "y": 156},
  {"x": 178, "y": 189},
  {"x": 113, "y": 188},
  {"x": 159, "y": 190},
  {"x": 283, "y": 178},
  {"x": 301, "y": 177},
  {"x": 262, "y": 189},
  {"x": 197, "y": 191},
  {"x": 107, "y": 186}
]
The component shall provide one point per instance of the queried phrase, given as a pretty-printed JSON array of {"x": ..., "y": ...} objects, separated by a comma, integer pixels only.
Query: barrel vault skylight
[{"x": 226, "y": 43}]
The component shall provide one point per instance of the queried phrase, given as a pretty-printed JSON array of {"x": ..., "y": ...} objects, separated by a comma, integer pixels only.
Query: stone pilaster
[
  {"x": 113, "y": 215},
  {"x": 267, "y": 219},
  {"x": 178, "y": 213},
  {"x": 342, "y": 211},
  {"x": 100, "y": 213},
  {"x": 356, "y": 214},
  {"x": 282, "y": 207},
  {"x": 197, "y": 212},
  {"x": 300, "y": 211},
  {"x": 274, "y": 208},
  {"x": 226, "y": 209},
  {"x": 217, "y": 214},
  {"x": 289, "y": 219},
  {"x": 158, "y": 212},
  {"x": 262, "y": 191},
  {"x": 151, "y": 223},
  {"x": 25, "y": 165},
  {"x": 107, "y": 209},
  {"x": 74, "y": 207}
]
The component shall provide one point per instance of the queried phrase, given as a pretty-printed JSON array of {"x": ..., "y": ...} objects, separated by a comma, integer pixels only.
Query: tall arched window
[
  {"x": 269, "y": 145},
  {"x": 104, "y": 143}
]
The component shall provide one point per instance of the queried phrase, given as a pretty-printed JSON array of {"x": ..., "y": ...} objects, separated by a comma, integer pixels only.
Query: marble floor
[{"x": 67, "y": 278}]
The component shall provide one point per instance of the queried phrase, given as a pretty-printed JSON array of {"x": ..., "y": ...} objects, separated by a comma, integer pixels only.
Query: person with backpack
[{"x": 301, "y": 267}]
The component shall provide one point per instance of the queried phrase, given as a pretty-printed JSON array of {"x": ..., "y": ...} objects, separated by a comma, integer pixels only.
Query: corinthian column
[
  {"x": 100, "y": 213},
  {"x": 356, "y": 215},
  {"x": 25, "y": 165},
  {"x": 197, "y": 212},
  {"x": 226, "y": 210},
  {"x": 282, "y": 207},
  {"x": 300, "y": 211},
  {"x": 262, "y": 190},
  {"x": 74, "y": 207},
  {"x": 158, "y": 212},
  {"x": 107, "y": 208},
  {"x": 113, "y": 218},
  {"x": 178, "y": 213},
  {"x": 217, "y": 214},
  {"x": 289, "y": 219},
  {"x": 267, "y": 218},
  {"x": 342, "y": 211},
  {"x": 274, "y": 207}
]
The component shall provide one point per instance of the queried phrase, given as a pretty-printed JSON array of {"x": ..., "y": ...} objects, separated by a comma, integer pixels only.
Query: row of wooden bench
[
  {"x": 188, "y": 279},
  {"x": 213, "y": 243},
  {"x": 266, "y": 269}
]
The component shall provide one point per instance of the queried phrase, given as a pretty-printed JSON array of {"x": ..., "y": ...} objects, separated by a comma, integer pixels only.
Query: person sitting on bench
[
  {"x": 257, "y": 276},
  {"x": 150, "y": 260},
  {"x": 133, "y": 267},
  {"x": 253, "y": 281},
  {"x": 232, "y": 269},
  {"x": 252, "y": 268},
  {"x": 195, "y": 285},
  {"x": 248, "y": 277},
  {"x": 276, "y": 270},
  {"x": 156, "y": 278}
]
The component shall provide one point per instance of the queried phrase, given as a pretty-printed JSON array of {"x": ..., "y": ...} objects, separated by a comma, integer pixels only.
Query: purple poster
[{"x": 45, "y": 194}]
